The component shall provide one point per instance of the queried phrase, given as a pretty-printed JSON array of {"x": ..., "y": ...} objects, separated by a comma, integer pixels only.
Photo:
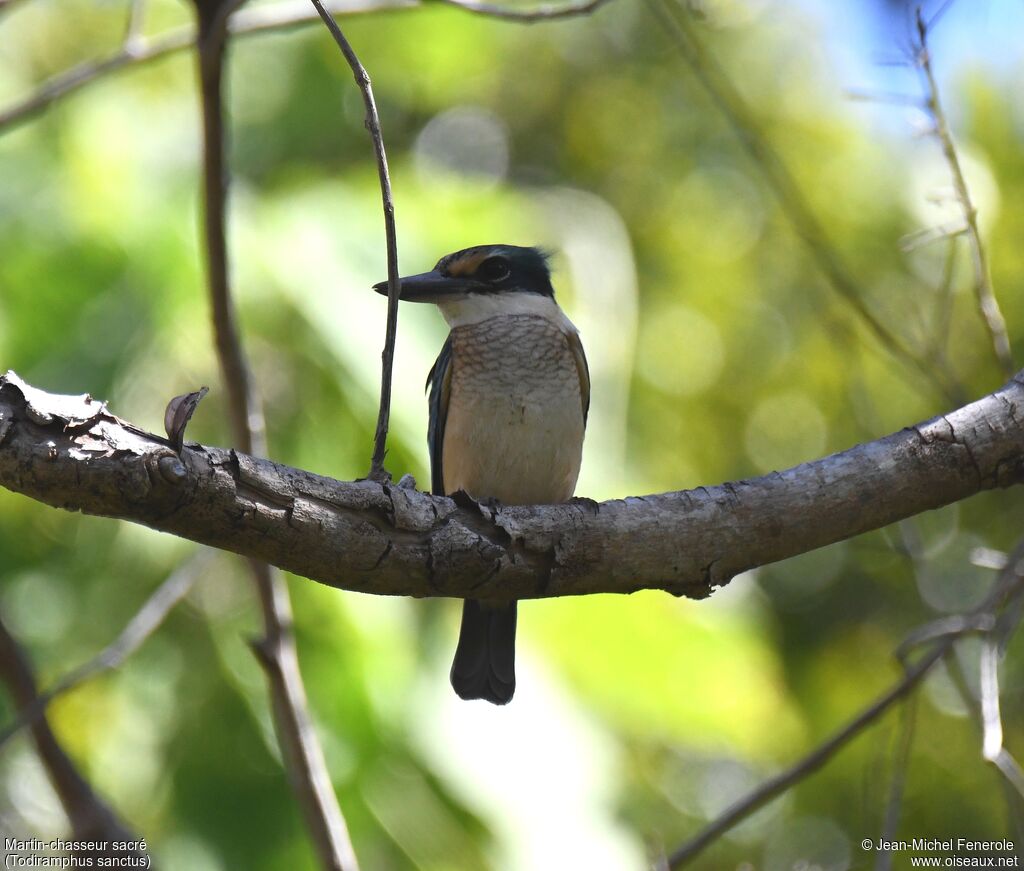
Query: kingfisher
[{"x": 508, "y": 401}]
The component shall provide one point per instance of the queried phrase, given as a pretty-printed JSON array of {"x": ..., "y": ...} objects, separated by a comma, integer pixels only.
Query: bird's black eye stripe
[{"x": 494, "y": 269}]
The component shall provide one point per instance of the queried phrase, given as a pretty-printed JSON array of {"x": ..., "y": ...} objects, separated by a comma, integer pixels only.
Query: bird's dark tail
[{"x": 485, "y": 659}]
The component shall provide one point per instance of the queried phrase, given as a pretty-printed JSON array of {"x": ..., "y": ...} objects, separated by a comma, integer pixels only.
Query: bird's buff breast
[{"x": 515, "y": 425}]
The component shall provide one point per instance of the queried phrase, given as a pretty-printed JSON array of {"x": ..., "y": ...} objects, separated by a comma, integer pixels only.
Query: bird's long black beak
[{"x": 428, "y": 286}]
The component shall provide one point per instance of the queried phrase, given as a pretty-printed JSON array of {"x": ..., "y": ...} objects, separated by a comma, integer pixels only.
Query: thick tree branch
[{"x": 72, "y": 453}]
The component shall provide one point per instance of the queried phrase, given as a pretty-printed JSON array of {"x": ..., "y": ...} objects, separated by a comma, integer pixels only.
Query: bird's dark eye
[{"x": 494, "y": 269}]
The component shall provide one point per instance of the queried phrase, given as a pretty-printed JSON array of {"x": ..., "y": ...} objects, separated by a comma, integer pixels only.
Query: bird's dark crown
[{"x": 500, "y": 268}]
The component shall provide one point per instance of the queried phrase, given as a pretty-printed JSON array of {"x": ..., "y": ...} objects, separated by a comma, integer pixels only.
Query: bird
[{"x": 508, "y": 401}]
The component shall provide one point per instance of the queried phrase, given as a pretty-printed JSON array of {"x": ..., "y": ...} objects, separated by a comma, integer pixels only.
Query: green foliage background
[{"x": 718, "y": 350}]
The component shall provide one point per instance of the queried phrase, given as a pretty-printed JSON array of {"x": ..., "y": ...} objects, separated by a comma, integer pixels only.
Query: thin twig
[
  {"x": 1011, "y": 769},
  {"x": 134, "y": 23},
  {"x": 529, "y": 16},
  {"x": 988, "y": 558},
  {"x": 814, "y": 760},
  {"x": 141, "y": 626},
  {"x": 659, "y": 862},
  {"x": 730, "y": 102},
  {"x": 686, "y": 541},
  {"x": 89, "y": 815},
  {"x": 921, "y": 238},
  {"x": 992, "y": 747},
  {"x": 303, "y": 757},
  {"x": 377, "y": 471},
  {"x": 996, "y": 624},
  {"x": 988, "y": 305},
  {"x": 8, "y": 5},
  {"x": 142, "y": 50},
  {"x": 901, "y": 762},
  {"x": 991, "y": 719},
  {"x": 1008, "y": 586},
  {"x": 247, "y": 424},
  {"x": 892, "y": 97},
  {"x": 245, "y": 22},
  {"x": 942, "y": 10},
  {"x": 944, "y": 320},
  {"x": 958, "y": 677},
  {"x": 956, "y": 626},
  {"x": 1008, "y": 622}
]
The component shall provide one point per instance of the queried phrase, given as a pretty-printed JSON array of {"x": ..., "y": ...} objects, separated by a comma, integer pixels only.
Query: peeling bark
[{"x": 72, "y": 453}]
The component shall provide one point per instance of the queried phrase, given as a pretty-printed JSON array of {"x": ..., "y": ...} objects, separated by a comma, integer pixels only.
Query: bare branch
[
  {"x": 890, "y": 97},
  {"x": 991, "y": 720},
  {"x": 304, "y": 760},
  {"x": 992, "y": 747},
  {"x": 247, "y": 424},
  {"x": 134, "y": 22},
  {"x": 958, "y": 677},
  {"x": 1007, "y": 597},
  {"x": 1010, "y": 768},
  {"x": 141, "y": 50},
  {"x": 303, "y": 757},
  {"x": 394, "y": 541},
  {"x": 956, "y": 626},
  {"x": 794, "y": 204},
  {"x": 1008, "y": 587},
  {"x": 70, "y": 81},
  {"x": 91, "y": 819},
  {"x": 529, "y": 16},
  {"x": 138, "y": 50},
  {"x": 944, "y": 318},
  {"x": 942, "y": 10},
  {"x": 996, "y": 625},
  {"x": 1008, "y": 622},
  {"x": 921, "y": 238},
  {"x": 988, "y": 305},
  {"x": 145, "y": 622},
  {"x": 377, "y": 471},
  {"x": 777, "y": 785}
]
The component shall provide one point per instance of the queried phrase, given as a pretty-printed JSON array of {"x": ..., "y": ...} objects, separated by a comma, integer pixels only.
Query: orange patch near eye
[{"x": 467, "y": 265}]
